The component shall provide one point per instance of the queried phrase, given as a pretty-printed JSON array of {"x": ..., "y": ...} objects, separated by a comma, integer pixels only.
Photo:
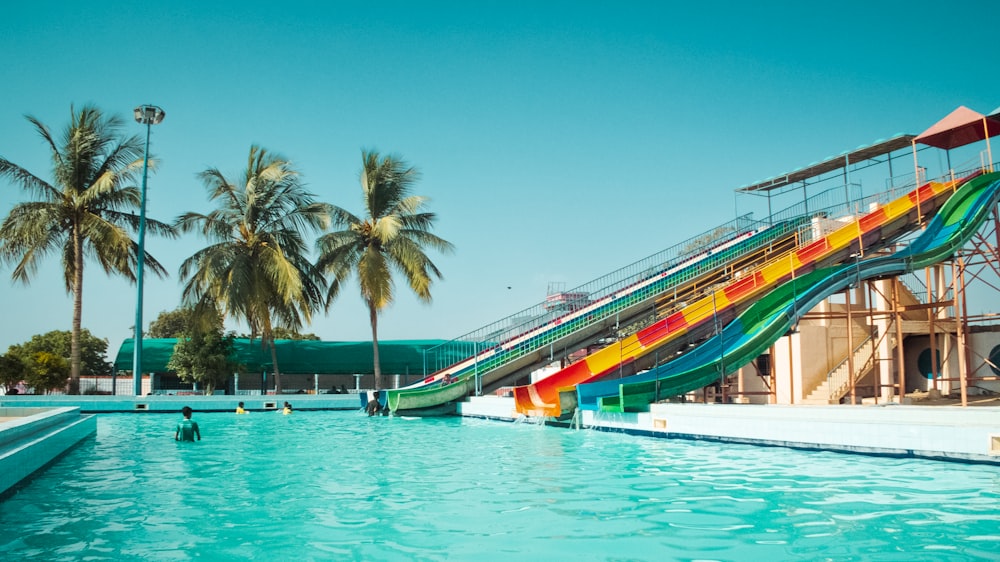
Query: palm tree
[
  {"x": 86, "y": 209},
  {"x": 392, "y": 237},
  {"x": 256, "y": 266}
]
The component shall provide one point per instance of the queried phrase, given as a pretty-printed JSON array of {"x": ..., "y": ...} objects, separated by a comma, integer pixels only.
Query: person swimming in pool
[
  {"x": 373, "y": 408},
  {"x": 239, "y": 408},
  {"x": 187, "y": 429},
  {"x": 287, "y": 409}
]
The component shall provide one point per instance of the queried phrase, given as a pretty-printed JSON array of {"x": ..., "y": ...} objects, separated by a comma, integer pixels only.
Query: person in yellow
[
  {"x": 239, "y": 408},
  {"x": 287, "y": 410}
]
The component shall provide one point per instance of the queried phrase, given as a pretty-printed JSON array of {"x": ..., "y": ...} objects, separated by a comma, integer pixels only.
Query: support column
[
  {"x": 883, "y": 352},
  {"x": 773, "y": 375},
  {"x": 897, "y": 319},
  {"x": 850, "y": 345},
  {"x": 872, "y": 334},
  {"x": 787, "y": 365},
  {"x": 858, "y": 296},
  {"x": 947, "y": 343},
  {"x": 823, "y": 309},
  {"x": 932, "y": 332},
  {"x": 963, "y": 373},
  {"x": 794, "y": 366}
]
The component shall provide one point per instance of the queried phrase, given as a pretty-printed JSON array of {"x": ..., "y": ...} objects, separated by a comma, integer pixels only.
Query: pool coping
[
  {"x": 172, "y": 404},
  {"x": 948, "y": 433},
  {"x": 954, "y": 434},
  {"x": 31, "y": 438}
]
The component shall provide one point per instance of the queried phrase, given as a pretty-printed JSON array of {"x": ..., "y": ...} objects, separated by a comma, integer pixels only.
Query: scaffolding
[
  {"x": 891, "y": 313},
  {"x": 887, "y": 307}
]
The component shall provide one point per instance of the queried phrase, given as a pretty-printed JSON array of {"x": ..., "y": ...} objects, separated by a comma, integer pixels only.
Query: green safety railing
[
  {"x": 526, "y": 331},
  {"x": 534, "y": 317}
]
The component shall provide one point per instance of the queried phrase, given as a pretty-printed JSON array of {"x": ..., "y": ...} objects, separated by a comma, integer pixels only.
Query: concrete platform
[
  {"x": 172, "y": 404},
  {"x": 948, "y": 433},
  {"x": 31, "y": 438}
]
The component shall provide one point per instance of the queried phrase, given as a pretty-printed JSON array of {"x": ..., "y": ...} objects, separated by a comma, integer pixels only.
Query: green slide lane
[{"x": 776, "y": 313}]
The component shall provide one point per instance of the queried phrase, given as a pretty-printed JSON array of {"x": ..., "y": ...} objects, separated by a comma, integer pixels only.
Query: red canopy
[{"x": 961, "y": 127}]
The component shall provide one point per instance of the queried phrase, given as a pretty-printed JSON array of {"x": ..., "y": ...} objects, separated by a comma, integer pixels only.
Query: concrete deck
[{"x": 948, "y": 433}]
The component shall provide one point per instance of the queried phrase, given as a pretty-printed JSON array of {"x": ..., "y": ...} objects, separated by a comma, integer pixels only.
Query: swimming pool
[{"x": 340, "y": 485}]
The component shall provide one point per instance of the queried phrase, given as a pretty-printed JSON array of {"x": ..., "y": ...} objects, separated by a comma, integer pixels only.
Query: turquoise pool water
[{"x": 342, "y": 486}]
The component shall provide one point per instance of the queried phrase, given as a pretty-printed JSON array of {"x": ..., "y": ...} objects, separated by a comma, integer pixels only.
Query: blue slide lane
[{"x": 757, "y": 328}]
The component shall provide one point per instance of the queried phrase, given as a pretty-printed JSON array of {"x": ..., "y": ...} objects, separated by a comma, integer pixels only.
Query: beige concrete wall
[{"x": 980, "y": 344}]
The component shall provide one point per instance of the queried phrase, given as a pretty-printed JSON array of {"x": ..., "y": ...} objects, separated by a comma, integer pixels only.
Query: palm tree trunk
[
  {"x": 274, "y": 362},
  {"x": 267, "y": 336},
  {"x": 74, "y": 341},
  {"x": 373, "y": 318}
]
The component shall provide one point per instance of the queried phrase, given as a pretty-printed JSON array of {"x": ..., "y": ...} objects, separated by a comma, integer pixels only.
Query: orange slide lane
[{"x": 542, "y": 398}]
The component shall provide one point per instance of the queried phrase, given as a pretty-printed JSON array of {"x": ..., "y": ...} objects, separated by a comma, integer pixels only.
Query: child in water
[
  {"x": 187, "y": 429},
  {"x": 287, "y": 410},
  {"x": 239, "y": 408},
  {"x": 374, "y": 408}
]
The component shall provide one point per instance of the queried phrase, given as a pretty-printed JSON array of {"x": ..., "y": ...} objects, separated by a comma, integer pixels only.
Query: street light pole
[{"x": 147, "y": 115}]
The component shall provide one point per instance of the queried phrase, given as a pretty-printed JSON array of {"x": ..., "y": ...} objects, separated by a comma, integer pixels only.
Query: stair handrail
[{"x": 835, "y": 387}]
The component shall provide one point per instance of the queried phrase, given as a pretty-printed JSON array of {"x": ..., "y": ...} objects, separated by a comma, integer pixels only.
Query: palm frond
[
  {"x": 29, "y": 233},
  {"x": 28, "y": 181},
  {"x": 375, "y": 279},
  {"x": 43, "y": 131}
]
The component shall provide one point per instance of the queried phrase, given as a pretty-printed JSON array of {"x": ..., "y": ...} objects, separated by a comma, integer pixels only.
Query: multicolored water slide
[
  {"x": 542, "y": 397},
  {"x": 429, "y": 393},
  {"x": 757, "y": 328}
]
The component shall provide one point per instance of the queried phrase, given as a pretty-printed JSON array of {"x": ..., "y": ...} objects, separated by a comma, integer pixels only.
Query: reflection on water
[{"x": 329, "y": 485}]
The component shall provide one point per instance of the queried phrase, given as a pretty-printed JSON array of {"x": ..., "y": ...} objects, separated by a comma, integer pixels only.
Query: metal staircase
[{"x": 837, "y": 383}]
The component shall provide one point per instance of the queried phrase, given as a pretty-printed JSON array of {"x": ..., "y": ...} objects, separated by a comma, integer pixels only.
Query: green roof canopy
[{"x": 300, "y": 356}]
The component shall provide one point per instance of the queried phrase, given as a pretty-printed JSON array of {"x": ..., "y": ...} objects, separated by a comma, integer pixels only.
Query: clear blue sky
[{"x": 558, "y": 141}]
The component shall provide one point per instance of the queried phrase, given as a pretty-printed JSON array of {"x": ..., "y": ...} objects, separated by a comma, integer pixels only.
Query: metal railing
[
  {"x": 722, "y": 241},
  {"x": 838, "y": 380},
  {"x": 539, "y": 326},
  {"x": 830, "y": 202},
  {"x": 915, "y": 285}
]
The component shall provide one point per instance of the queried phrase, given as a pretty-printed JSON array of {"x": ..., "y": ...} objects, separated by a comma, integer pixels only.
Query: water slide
[
  {"x": 757, "y": 328},
  {"x": 546, "y": 397},
  {"x": 431, "y": 396}
]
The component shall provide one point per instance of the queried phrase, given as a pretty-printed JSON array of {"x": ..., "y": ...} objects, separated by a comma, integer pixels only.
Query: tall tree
[
  {"x": 47, "y": 371},
  {"x": 207, "y": 357},
  {"x": 393, "y": 236},
  {"x": 87, "y": 209},
  {"x": 286, "y": 334},
  {"x": 184, "y": 321},
  {"x": 12, "y": 371},
  {"x": 93, "y": 350},
  {"x": 256, "y": 267}
]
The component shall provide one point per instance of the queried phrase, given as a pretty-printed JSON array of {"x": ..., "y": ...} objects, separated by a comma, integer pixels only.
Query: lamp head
[{"x": 149, "y": 114}]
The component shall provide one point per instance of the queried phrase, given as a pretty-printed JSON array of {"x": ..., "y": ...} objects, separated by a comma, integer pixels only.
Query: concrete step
[{"x": 31, "y": 437}]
